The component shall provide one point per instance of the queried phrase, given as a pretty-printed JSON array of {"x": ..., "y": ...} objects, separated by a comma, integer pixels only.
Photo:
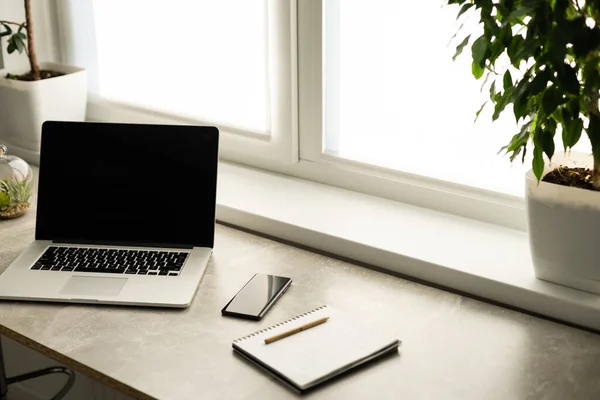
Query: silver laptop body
[{"x": 125, "y": 215}]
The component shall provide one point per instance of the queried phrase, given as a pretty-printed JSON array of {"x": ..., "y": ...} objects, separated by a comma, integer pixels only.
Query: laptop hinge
[{"x": 124, "y": 244}]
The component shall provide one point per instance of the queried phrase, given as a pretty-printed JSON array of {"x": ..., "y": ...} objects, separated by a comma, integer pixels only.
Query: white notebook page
[{"x": 318, "y": 352}]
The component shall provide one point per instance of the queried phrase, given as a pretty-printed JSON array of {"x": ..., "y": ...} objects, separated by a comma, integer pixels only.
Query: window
[
  {"x": 394, "y": 98},
  {"x": 227, "y": 63},
  {"x": 355, "y": 93},
  {"x": 193, "y": 58}
]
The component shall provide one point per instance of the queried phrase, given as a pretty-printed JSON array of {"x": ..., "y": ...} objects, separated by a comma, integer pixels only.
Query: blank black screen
[{"x": 127, "y": 184}]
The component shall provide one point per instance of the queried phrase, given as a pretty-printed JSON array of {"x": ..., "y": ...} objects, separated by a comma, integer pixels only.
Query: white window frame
[
  {"x": 281, "y": 146},
  {"x": 296, "y": 145},
  {"x": 445, "y": 196}
]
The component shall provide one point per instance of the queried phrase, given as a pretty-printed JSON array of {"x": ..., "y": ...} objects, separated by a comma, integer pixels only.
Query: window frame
[
  {"x": 298, "y": 151},
  {"x": 280, "y": 146},
  {"x": 445, "y": 196}
]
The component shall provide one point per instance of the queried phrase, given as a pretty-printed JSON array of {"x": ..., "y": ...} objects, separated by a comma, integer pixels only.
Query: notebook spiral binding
[{"x": 279, "y": 324}]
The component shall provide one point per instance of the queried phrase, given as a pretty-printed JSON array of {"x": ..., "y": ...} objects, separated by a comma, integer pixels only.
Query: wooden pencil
[{"x": 295, "y": 330}]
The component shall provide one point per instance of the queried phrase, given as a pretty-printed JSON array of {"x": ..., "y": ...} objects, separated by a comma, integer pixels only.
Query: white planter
[
  {"x": 24, "y": 106},
  {"x": 564, "y": 230}
]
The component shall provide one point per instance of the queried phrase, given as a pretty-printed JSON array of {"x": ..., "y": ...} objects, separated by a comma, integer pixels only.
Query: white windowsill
[{"x": 480, "y": 259}]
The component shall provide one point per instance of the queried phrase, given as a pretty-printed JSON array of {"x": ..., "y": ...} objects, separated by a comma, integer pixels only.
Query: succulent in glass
[{"x": 16, "y": 185}]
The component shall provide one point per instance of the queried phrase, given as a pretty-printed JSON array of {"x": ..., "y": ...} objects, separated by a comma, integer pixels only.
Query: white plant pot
[
  {"x": 24, "y": 106},
  {"x": 564, "y": 229}
]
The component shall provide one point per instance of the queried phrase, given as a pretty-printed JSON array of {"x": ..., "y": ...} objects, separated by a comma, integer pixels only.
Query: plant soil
[
  {"x": 574, "y": 177},
  {"x": 28, "y": 77},
  {"x": 15, "y": 211}
]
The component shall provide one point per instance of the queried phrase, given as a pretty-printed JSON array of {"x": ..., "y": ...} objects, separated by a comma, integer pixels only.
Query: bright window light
[
  {"x": 204, "y": 59},
  {"x": 394, "y": 97}
]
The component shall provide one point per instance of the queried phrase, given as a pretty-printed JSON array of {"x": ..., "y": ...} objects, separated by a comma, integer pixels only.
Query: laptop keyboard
[{"x": 112, "y": 261}]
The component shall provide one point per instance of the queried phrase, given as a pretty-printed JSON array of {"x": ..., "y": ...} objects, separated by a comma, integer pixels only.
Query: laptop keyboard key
[
  {"x": 170, "y": 268},
  {"x": 95, "y": 270},
  {"x": 116, "y": 261}
]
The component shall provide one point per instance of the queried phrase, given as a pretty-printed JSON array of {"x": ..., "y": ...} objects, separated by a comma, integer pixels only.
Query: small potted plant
[
  {"x": 16, "y": 185},
  {"x": 542, "y": 57},
  {"x": 46, "y": 91}
]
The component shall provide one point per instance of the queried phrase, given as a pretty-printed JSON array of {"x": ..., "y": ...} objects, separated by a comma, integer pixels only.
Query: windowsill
[{"x": 476, "y": 258}]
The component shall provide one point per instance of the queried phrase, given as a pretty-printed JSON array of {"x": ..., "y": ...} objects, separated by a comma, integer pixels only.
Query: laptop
[{"x": 125, "y": 215}]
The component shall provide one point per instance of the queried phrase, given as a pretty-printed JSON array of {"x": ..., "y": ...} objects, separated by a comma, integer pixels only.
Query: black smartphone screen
[{"x": 257, "y": 296}]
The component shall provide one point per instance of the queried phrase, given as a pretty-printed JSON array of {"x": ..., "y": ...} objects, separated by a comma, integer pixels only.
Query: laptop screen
[{"x": 127, "y": 184}]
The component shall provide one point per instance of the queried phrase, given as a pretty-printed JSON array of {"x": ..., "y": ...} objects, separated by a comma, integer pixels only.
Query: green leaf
[
  {"x": 538, "y": 162},
  {"x": 518, "y": 13},
  {"x": 593, "y": 132},
  {"x": 573, "y": 107},
  {"x": 19, "y": 44},
  {"x": 558, "y": 116},
  {"x": 11, "y": 47},
  {"x": 476, "y": 70},
  {"x": 496, "y": 48},
  {"x": 15, "y": 42},
  {"x": 519, "y": 140},
  {"x": 4, "y": 200},
  {"x": 551, "y": 100},
  {"x": 464, "y": 9},
  {"x": 514, "y": 50},
  {"x": 571, "y": 132},
  {"x": 21, "y": 27},
  {"x": 550, "y": 124},
  {"x": 546, "y": 140},
  {"x": 539, "y": 83},
  {"x": 585, "y": 41},
  {"x": 7, "y": 30},
  {"x": 460, "y": 47},
  {"x": 500, "y": 106},
  {"x": 479, "y": 111},
  {"x": 567, "y": 79},
  {"x": 532, "y": 3},
  {"x": 456, "y": 33},
  {"x": 506, "y": 35},
  {"x": 493, "y": 92},
  {"x": 520, "y": 104},
  {"x": 478, "y": 49},
  {"x": 507, "y": 80},
  {"x": 534, "y": 124}
]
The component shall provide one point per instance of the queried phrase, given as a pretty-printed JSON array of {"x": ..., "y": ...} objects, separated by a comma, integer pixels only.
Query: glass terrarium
[{"x": 16, "y": 185}]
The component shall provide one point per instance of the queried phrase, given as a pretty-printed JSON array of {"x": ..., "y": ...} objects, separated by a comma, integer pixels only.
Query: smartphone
[{"x": 257, "y": 296}]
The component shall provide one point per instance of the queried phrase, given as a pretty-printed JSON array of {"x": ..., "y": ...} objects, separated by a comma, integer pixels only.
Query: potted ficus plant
[
  {"x": 542, "y": 57},
  {"x": 45, "y": 91}
]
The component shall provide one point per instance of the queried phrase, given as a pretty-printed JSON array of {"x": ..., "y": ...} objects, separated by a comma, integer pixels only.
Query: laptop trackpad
[{"x": 93, "y": 286}]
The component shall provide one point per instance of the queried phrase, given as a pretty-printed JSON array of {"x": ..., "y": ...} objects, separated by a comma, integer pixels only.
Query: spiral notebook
[{"x": 315, "y": 355}]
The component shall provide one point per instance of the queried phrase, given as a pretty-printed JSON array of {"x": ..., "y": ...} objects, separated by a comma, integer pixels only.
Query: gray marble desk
[{"x": 453, "y": 347}]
